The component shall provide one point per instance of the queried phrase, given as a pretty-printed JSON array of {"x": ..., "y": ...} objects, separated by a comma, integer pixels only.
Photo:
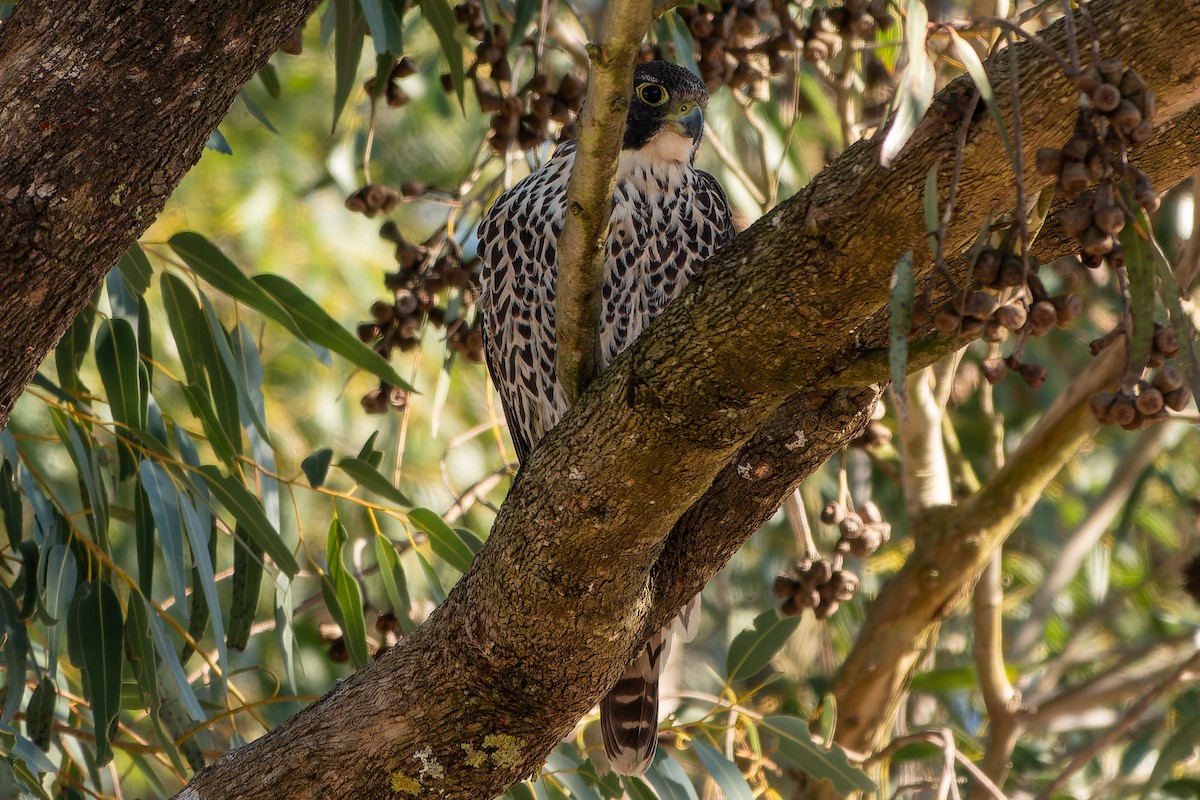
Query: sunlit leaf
[
  {"x": 638, "y": 789},
  {"x": 136, "y": 269},
  {"x": 60, "y": 576},
  {"x": 168, "y": 521},
  {"x": 166, "y": 653},
  {"x": 978, "y": 74},
  {"x": 347, "y": 594},
  {"x": 316, "y": 466},
  {"x": 207, "y": 261},
  {"x": 10, "y": 505},
  {"x": 386, "y": 33},
  {"x": 391, "y": 572},
  {"x": 728, "y": 777},
  {"x": 139, "y": 652},
  {"x": 200, "y": 532},
  {"x": 347, "y": 48},
  {"x": 218, "y": 142},
  {"x": 270, "y": 80},
  {"x": 117, "y": 362},
  {"x": 916, "y": 85},
  {"x": 445, "y": 541},
  {"x": 197, "y": 400},
  {"x": 369, "y": 477},
  {"x": 98, "y": 624},
  {"x": 797, "y": 746},
  {"x": 246, "y": 583},
  {"x": 257, "y": 112},
  {"x": 440, "y": 16},
  {"x": 74, "y": 347},
  {"x": 248, "y": 512},
  {"x": 324, "y": 330},
  {"x": 752, "y": 649}
]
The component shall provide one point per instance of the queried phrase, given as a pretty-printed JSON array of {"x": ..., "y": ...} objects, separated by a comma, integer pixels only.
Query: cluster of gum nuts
[
  {"x": 1143, "y": 402},
  {"x": 1118, "y": 115},
  {"x": 522, "y": 117},
  {"x": 422, "y": 276},
  {"x": 821, "y": 584}
]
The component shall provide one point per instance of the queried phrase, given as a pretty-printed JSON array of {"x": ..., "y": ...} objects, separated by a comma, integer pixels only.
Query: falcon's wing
[
  {"x": 713, "y": 206},
  {"x": 518, "y": 245}
]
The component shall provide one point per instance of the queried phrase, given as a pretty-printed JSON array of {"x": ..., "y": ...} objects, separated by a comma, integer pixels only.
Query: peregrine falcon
[{"x": 667, "y": 219}]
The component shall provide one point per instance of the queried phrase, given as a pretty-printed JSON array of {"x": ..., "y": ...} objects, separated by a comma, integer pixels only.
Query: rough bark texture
[
  {"x": 666, "y": 465},
  {"x": 597, "y": 531},
  {"x": 103, "y": 108}
]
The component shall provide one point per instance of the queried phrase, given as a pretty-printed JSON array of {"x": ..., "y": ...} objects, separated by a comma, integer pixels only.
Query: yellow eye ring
[{"x": 652, "y": 94}]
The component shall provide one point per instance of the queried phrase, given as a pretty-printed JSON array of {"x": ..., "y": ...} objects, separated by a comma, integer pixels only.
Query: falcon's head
[{"x": 666, "y": 114}]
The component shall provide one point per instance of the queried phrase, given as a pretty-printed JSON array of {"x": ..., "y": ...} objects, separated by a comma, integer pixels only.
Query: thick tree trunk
[{"x": 104, "y": 106}]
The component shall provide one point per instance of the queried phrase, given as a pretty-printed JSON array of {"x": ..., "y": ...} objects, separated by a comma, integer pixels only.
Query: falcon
[{"x": 667, "y": 219}]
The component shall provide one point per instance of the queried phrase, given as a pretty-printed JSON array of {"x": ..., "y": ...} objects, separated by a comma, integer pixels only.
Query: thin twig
[{"x": 1113, "y": 733}]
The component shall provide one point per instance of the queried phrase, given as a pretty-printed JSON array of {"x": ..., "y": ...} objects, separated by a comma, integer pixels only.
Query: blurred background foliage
[{"x": 276, "y": 202}]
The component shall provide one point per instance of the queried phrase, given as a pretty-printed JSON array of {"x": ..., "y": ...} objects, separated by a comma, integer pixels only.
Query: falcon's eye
[{"x": 652, "y": 94}]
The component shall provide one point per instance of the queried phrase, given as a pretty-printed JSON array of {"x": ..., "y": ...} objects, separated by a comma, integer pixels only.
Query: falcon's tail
[{"x": 629, "y": 713}]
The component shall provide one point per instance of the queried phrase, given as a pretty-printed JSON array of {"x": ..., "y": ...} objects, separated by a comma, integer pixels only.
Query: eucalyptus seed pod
[
  {"x": 1012, "y": 316},
  {"x": 1124, "y": 411},
  {"x": 833, "y": 513},
  {"x": 1106, "y": 98},
  {"x": 1033, "y": 374},
  {"x": 981, "y": 305},
  {"x": 784, "y": 586},
  {"x": 987, "y": 266},
  {"x": 1074, "y": 178},
  {"x": 1109, "y": 219},
  {"x": 994, "y": 370},
  {"x": 946, "y": 320},
  {"x": 1075, "y": 220},
  {"x": 826, "y": 609},
  {"x": 870, "y": 512},
  {"x": 1042, "y": 317},
  {"x": 851, "y": 526},
  {"x": 1111, "y": 69},
  {"x": 994, "y": 332},
  {"x": 1167, "y": 379},
  {"x": 1088, "y": 79},
  {"x": 1178, "y": 399},
  {"x": 1096, "y": 242},
  {"x": 1165, "y": 340},
  {"x": 1149, "y": 401},
  {"x": 1100, "y": 404}
]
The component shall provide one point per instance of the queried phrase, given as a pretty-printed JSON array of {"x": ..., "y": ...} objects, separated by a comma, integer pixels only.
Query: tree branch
[
  {"x": 589, "y": 194},
  {"x": 1085, "y": 538}
]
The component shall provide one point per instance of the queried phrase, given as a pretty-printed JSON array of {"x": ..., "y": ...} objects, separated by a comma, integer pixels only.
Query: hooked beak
[{"x": 690, "y": 123}]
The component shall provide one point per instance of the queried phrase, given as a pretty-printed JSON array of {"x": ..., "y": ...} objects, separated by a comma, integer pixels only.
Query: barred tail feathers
[{"x": 629, "y": 713}]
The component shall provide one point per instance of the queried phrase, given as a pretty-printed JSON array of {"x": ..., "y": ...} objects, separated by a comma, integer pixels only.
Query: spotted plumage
[{"x": 667, "y": 219}]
